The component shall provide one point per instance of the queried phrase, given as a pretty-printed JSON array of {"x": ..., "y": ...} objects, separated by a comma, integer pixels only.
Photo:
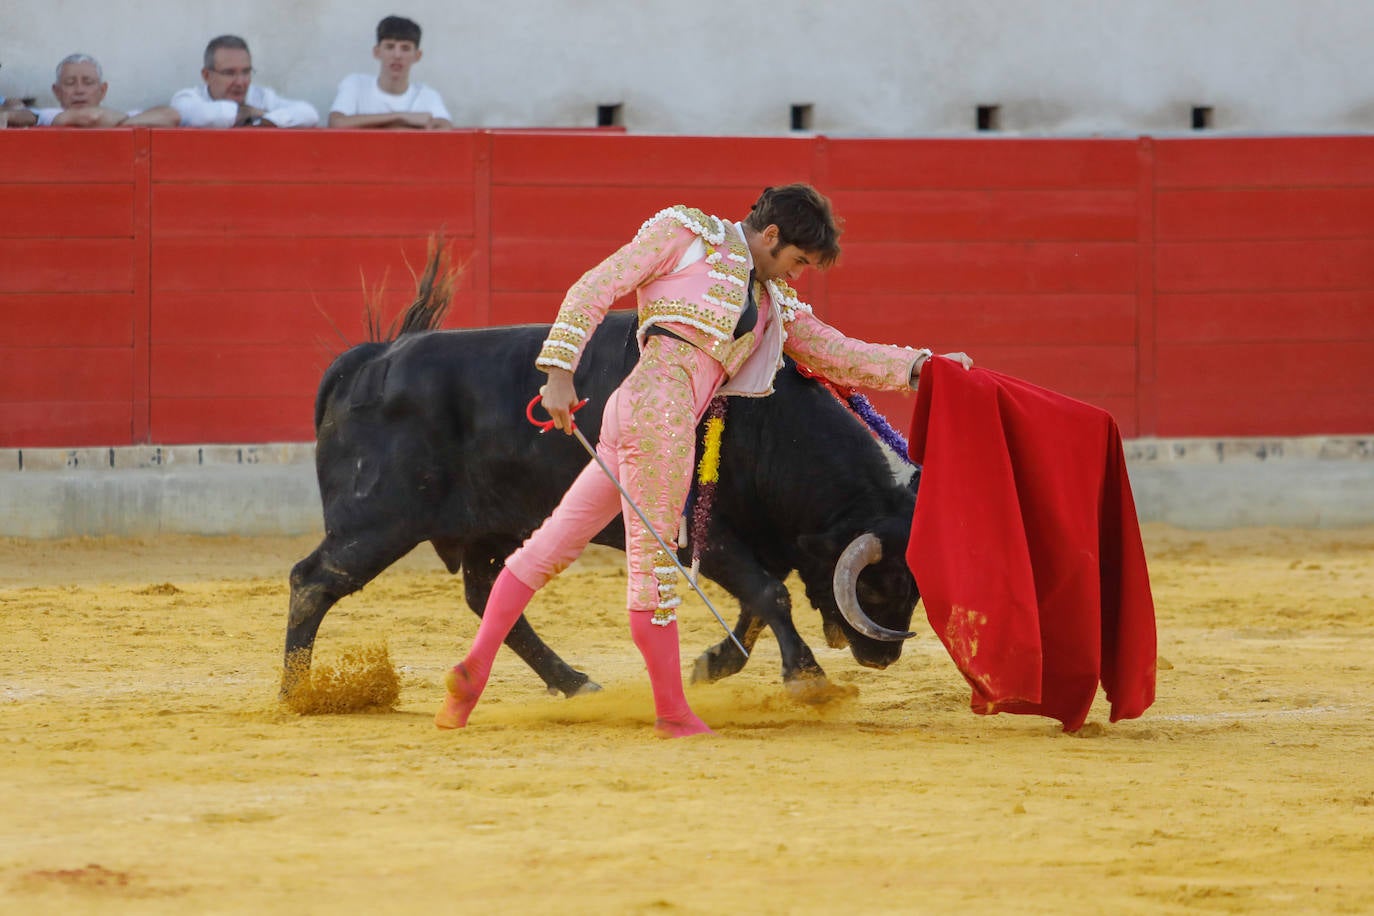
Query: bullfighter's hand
[
  {"x": 962, "y": 359},
  {"x": 559, "y": 397}
]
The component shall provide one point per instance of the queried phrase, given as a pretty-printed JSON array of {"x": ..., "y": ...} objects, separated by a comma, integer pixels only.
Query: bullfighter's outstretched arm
[
  {"x": 841, "y": 359},
  {"x": 847, "y": 360}
]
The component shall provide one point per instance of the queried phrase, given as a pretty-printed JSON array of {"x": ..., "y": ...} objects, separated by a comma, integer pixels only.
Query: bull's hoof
[
  {"x": 718, "y": 662},
  {"x": 588, "y": 688},
  {"x": 817, "y": 690},
  {"x": 834, "y": 635},
  {"x": 295, "y": 672},
  {"x": 708, "y": 668},
  {"x": 293, "y": 680}
]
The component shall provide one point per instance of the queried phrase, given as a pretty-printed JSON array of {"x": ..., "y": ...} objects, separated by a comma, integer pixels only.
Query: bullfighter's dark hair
[
  {"x": 803, "y": 217},
  {"x": 398, "y": 28},
  {"x": 228, "y": 42}
]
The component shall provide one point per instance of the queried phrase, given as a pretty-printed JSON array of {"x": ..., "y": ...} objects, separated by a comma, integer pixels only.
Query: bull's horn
[{"x": 862, "y": 552}]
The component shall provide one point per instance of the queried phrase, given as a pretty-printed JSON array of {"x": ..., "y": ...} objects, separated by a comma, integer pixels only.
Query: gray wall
[
  {"x": 1313, "y": 482},
  {"x": 869, "y": 67}
]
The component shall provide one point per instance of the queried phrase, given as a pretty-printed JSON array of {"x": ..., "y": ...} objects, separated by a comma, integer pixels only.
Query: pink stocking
[
  {"x": 659, "y": 646},
  {"x": 466, "y": 680}
]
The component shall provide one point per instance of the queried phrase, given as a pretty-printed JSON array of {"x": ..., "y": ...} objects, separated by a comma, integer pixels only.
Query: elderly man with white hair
[{"x": 80, "y": 92}]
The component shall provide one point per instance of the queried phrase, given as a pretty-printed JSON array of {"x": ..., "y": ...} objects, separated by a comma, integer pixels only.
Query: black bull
[{"x": 425, "y": 439}]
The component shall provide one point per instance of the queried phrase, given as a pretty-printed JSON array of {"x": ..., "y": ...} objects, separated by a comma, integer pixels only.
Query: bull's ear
[{"x": 915, "y": 481}]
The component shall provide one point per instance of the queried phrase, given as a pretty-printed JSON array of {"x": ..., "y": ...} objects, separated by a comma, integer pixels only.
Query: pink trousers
[{"x": 648, "y": 437}]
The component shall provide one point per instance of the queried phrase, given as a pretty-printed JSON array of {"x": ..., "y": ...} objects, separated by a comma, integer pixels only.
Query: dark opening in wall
[
  {"x": 1202, "y": 117},
  {"x": 989, "y": 117},
  {"x": 801, "y": 117},
  {"x": 610, "y": 115}
]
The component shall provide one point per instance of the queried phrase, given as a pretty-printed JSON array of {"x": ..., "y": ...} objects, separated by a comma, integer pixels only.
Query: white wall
[{"x": 869, "y": 67}]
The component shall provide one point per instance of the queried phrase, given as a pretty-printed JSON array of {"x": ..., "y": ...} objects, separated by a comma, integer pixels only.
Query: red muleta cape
[{"x": 1026, "y": 547}]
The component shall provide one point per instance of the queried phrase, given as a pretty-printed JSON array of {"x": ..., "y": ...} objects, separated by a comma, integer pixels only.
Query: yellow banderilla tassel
[{"x": 708, "y": 469}]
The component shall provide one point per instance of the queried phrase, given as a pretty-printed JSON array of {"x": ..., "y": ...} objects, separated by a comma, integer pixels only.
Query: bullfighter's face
[
  {"x": 788, "y": 262},
  {"x": 776, "y": 261}
]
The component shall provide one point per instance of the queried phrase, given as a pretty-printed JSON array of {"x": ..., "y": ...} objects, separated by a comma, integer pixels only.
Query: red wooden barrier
[
  {"x": 1265, "y": 285},
  {"x": 1022, "y": 253},
  {"x": 72, "y": 297},
  {"x": 261, "y": 249},
  {"x": 190, "y": 286}
]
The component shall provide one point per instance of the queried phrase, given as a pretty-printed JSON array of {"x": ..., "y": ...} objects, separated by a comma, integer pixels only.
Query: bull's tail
[{"x": 433, "y": 294}]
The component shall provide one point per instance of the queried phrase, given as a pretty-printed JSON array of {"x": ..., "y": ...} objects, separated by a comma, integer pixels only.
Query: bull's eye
[
  {"x": 875, "y": 591},
  {"x": 869, "y": 595}
]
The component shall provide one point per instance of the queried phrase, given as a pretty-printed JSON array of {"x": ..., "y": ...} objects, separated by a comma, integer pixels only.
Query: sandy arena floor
[{"x": 146, "y": 767}]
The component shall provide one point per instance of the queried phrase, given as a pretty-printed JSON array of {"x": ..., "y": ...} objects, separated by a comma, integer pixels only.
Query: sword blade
[{"x": 672, "y": 553}]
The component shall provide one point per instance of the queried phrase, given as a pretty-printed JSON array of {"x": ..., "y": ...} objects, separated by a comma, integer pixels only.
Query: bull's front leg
[
  {"x": 724, "y": 658},
  {"x": 764, "y": 601}
]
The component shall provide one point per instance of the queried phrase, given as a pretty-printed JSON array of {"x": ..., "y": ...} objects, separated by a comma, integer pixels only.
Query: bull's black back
[{"x": 434, "y": 424}]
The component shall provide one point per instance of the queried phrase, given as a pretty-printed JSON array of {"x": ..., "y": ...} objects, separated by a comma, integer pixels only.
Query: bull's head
[
  {"x": 863, "y": 552},
  {"x": 873, "y": 591}
]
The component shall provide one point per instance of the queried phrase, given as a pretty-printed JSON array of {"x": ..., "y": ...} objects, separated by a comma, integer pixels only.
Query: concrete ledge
[
  {"x": 1158, "y": 452},
  {"x": 270, "y": 489},
  {"x": 149, "y": 490},
  {"x": 1308, "y": 482},
  {"x": 155, "y": 457}
]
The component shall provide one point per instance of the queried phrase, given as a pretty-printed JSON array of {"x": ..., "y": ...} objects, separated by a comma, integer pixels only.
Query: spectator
[
  {"x": 80, "y": 89},
  {"x": 11, "y": 105},
  {"x": 228, "y": 97},
  {"x": 390, "y": 100}
]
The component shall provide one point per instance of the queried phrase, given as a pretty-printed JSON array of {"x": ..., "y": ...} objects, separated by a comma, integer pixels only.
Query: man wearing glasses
[{"x": 228, "y": 97}]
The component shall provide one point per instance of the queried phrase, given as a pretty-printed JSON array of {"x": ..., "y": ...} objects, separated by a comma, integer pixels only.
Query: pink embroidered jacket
[{"x": 702, "y": 301}]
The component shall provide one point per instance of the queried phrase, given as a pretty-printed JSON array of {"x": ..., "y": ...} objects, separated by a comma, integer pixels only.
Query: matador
[{"x": 716, "y": 314}]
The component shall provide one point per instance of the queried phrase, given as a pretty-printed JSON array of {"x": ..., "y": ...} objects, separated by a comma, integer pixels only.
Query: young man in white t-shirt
[{"x": 390, "y": 100}]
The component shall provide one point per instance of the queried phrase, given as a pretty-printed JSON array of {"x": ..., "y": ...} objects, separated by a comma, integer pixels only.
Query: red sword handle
[{"x": 546, "y": 425}]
